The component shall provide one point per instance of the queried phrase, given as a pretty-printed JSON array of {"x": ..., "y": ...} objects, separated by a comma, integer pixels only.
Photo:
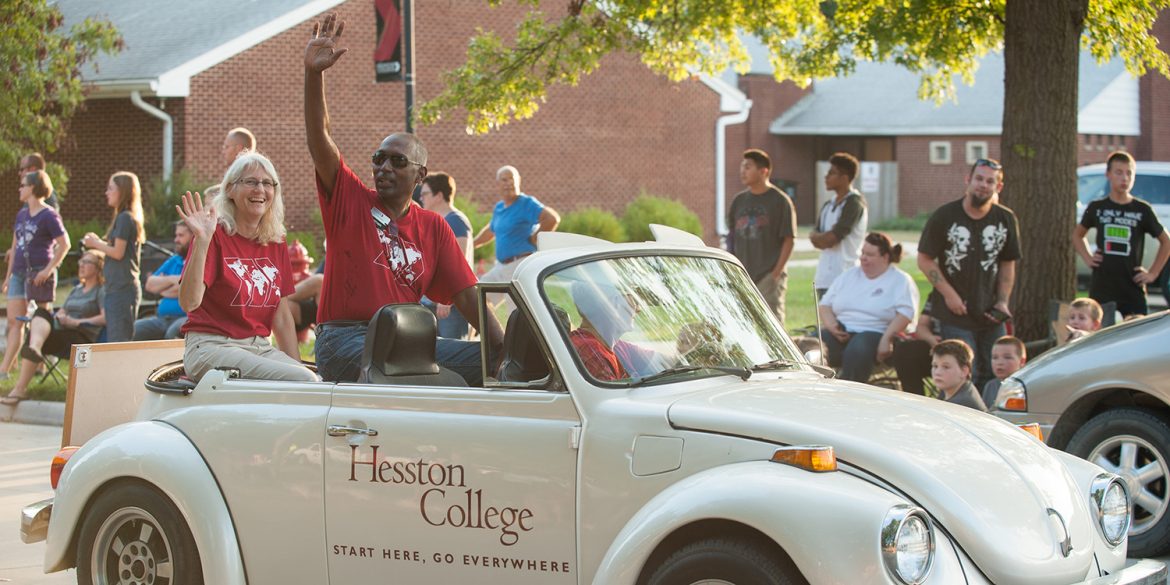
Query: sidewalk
[{"x": 34, "y": 412}]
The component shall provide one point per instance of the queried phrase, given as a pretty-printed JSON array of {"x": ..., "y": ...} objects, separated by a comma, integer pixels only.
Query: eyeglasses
[
  {"x": 398, "y": 161},
  {"x": 253, "y": 183},
  {"x": 986, "y": 162}
]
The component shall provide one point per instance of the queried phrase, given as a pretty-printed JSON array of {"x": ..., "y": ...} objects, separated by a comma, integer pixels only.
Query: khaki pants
[
  {"x": 253, "y": 356},
  {"x": 773, "y": 291}
]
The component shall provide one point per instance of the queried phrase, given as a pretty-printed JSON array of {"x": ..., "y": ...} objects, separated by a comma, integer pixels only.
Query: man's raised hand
[{"x": 322, "y": 51}]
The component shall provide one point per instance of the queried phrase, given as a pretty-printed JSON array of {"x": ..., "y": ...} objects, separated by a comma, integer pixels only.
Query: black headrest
[
  {"x": 400, "y": 348},
  {"x": 523, "y": 359}
]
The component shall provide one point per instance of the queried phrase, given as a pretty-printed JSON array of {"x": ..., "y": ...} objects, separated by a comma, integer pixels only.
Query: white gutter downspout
[
  {"x": 168, "y": 153},
  {"x": 721, "y": 164}
]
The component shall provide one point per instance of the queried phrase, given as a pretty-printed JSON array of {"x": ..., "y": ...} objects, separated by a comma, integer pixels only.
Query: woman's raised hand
[{"x": 201, "y": 220}]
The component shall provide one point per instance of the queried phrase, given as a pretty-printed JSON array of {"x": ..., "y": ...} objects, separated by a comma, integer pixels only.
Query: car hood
[{"x": 989, "y": 484}]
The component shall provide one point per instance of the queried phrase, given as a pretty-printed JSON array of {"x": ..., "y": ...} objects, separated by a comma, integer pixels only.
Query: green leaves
[
  {"x": 941, "y": 40},
  {"x": 40, "y": 79}
]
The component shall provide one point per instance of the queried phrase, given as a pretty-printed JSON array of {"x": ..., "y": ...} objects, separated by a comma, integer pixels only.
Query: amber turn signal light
[
  {"x": 1034, "y": 430},
  {"x": 1016, "y": 404},
  {"x": 58, "y": 465},
  {"x": 818, "y": 458}
]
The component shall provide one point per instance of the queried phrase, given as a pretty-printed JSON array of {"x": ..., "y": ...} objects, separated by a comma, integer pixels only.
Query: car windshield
[{"x": 656, "y": 319}]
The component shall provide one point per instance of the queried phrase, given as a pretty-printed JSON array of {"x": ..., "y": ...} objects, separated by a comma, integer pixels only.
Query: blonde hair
[
  {"x": 129, "y": 199},
  {"x": 100, "y": 258},
  {"x": 1086, "y": 303},
  {"x": 271, "y": 228}
]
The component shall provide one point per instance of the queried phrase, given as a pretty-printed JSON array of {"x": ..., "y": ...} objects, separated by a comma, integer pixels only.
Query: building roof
[
  {"x": 882, "y": 99},
  {"x": 167, "y": 43}
]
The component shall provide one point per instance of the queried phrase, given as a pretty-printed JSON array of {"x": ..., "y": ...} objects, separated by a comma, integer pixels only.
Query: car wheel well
[
  {"x": 1091, "y": 405},
  {"x": 703, "y": 529},
  {"x": 110, "y": 485}
]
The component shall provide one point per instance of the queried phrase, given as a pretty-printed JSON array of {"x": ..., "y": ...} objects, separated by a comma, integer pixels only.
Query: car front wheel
[
  {"x": 134, "y": 535},
  {"x": 1134, "y": 444},
  {"x": 725, "y": 561}
]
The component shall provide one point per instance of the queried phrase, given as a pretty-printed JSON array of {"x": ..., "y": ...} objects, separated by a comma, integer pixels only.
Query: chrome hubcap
[
  {"x": 1144, "y": 472},
  {"x": 131, "y": 550}
]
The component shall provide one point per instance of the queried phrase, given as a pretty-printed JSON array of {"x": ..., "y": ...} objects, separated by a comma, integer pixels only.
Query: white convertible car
[{"x": 648, "y": 423}]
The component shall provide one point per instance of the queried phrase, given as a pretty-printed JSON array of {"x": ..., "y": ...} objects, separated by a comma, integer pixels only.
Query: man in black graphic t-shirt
[
  {"x": 968, "y": 251},
  {"x": 1122, "y": 222}
]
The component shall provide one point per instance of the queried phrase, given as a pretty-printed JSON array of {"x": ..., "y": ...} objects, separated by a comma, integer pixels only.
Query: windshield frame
[{"x": 633, "y": 383}]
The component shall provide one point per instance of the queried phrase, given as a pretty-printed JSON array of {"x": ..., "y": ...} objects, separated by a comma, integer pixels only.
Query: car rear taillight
[{"x": 58, "y": 465}]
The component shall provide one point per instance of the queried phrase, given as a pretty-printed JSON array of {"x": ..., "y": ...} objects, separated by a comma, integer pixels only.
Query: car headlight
[
  {"x": 1111, "y": 503},
  {"x": 907, "y": 544},
  {"x": 1013, "y": 395}
]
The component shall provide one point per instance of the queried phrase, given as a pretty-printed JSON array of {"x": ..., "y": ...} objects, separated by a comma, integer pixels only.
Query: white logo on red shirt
[
  {"x": 258, "y": 282},
  {"x": 400, "y": 257}
]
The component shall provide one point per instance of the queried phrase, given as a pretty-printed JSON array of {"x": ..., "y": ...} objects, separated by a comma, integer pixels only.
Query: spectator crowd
[{"x": 231, "y": 284}]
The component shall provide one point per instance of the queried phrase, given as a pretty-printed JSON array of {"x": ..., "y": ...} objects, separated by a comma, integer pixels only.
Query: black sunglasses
[
  {"x": 398, "y": 161},
  {"x": 986, "y": 162}
]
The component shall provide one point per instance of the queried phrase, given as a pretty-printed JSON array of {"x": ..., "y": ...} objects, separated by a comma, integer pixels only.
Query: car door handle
[{"x": 342, "y": 430}]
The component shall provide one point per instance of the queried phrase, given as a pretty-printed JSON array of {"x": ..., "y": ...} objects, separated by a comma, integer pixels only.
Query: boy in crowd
[
  {"x": 1122, "y": 222},
  {"x": 1008, "y": 355},
  {"x": 1084, "y": 317},
  {"x": 841, "y": 224},
  {"x": 950, "y": 368}
]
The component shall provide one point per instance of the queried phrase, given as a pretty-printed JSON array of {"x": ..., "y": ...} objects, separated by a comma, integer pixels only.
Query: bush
[
  {"x": 309, "y": 241},
  {"x": 594, "y": 222},
  {"x": 76, "y": 229},
  {"x": 648, "y": 209},
  {"x": 159, "y": 208},
  {"x": 903, "y": 224}
]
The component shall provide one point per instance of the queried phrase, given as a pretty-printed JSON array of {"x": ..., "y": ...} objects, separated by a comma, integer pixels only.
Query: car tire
[
  {"x": 1124, "y": 441},
  {"x": 725, "y": 561},
  {"x": 134, "y": 535}
]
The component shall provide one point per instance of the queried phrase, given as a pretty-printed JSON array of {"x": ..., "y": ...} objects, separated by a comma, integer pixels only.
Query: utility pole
[{"x": 408, "y": 60}]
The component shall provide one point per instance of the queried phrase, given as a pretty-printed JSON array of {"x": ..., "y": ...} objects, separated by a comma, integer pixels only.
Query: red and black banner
[{"x": 388, "y": 51}]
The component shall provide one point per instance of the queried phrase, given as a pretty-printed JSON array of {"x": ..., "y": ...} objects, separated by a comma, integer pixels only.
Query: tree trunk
[{"x": 1039, "y": 150}]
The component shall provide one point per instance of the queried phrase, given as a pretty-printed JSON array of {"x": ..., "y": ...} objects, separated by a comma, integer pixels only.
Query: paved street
[{"x": 25, "y": 452}]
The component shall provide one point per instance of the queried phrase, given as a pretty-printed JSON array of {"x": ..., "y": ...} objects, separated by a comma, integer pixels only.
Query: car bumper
[
  {"x": 1139, "y": 572},
  {"x": 34, "y": 521}
]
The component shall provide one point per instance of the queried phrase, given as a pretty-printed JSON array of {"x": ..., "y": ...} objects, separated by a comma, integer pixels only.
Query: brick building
[{"x": 598, "y": 144}]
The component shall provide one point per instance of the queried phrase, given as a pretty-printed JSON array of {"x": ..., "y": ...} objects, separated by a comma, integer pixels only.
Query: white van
[{"x": 1152, "y": 185}]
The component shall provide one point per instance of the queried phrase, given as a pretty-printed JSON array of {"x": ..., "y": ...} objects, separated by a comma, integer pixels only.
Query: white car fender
[
  {"x": 1111, "y": 559},
  {"x": 838, "y": 512},
  {"x": 158, "y": 451}
]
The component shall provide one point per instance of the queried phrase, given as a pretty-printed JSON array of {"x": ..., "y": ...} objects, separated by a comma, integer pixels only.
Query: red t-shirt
[
  {"x": 245, "y": 282},
  {"x": 599, "y": 360},
  {"x": 367, "y": 265}
]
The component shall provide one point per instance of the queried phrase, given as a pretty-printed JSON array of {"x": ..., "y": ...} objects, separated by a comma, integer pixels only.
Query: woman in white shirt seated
[{"x": 866, "y": 307}]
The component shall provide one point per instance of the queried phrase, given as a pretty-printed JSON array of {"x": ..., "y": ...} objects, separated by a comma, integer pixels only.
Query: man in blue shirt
[
  {"x": 169, "y": 317},
  {"x": 516, "y": 220}
]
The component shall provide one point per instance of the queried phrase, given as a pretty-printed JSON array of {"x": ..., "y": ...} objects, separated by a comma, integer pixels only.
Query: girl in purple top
[{"x": 32, "y": 273}]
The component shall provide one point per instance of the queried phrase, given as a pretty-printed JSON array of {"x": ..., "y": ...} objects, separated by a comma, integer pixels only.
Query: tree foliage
[
  {"x": 40, "y": 81},
  {"x": 941, "y": 40}
]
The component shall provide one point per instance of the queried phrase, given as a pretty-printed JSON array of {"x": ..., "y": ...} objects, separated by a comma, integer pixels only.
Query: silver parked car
[{"x": 1107, "y": 398}]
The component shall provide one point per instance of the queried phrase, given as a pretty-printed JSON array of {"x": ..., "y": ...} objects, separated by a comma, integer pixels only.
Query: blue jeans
[
  {"x": 339, "y": 354},
  {"x": 855, "y": 357},
  {"x": 453, "y": 326},
  {"x": 121, "y": 312},
  {"x": 981, "y": 342},
  {"x": 159, "y": 327}
]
